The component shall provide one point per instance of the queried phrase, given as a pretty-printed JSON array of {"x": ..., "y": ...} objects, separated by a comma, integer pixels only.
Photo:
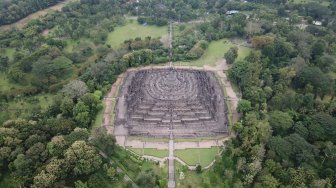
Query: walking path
[
  {"x": 108, "y": 101},
  {"x": 171, "y": 168}
]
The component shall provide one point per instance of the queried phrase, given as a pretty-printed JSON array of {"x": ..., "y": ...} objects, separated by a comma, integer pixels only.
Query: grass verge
[{"x": 194, "y": 156}]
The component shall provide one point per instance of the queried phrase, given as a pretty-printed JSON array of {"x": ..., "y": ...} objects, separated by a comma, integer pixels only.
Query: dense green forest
[
  {"x": 286, "y": 136},
  {"x": 13, "y": 10}
]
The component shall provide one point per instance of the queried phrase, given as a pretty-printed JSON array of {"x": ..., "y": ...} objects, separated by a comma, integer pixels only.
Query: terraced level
[{"x": 155, "y": 102}]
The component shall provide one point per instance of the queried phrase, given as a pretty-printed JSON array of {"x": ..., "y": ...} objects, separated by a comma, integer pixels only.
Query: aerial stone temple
[{"x": 188, "y": 103}]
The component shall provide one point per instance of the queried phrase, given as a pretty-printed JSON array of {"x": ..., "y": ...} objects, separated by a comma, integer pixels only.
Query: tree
[
  {"x": 280, "y": 122},
  {"x": 261, "y": 41},
  {"x": 318, "y": 48},
  {"x": 244, "y": 106},
  {"x": 80, "y": 184},
  {"x": 199, "y": 169},
  {"x": 105, "y": 142},
  {"x": 3, "y": 63},
  {"x": 75, "y": 89},
  {"x": 77, "y": 134},
  {"x": 56, "y": 146},
  {"x": 303, "y": 152},
  {"x": 280, "y": 147},
  {"x": 67, "y": 106},
  {"x": 146, "y": 179},
  {"x": 81, "y": 114},
  {"x": 269, "y": 181},
  {"x": 43, "y": 179},
  {"x": 82, "y": 158},
  {"x": 231, "y": 55},
  {"x": 111, "y": 172}
]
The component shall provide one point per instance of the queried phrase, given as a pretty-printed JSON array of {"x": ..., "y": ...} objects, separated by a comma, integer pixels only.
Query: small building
[
  {"x": 232, "y": 12},
  {"x": 318, "y": 23}
]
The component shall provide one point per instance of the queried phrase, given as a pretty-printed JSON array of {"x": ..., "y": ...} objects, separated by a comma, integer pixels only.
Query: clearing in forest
[
  {"x": 215, "y": 52},
  {"x": 133, "y": 30}
]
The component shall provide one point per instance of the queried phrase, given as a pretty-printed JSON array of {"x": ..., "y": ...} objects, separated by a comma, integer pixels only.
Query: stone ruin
[{"x": 155, "y": 102}]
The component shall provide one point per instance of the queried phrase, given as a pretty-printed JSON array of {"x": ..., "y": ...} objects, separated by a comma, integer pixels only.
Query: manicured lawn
[
  {"x": 215, "y": 52},
  {"x": 132, "y": 30},
  {"x": 193, "y": 179},
  {"x": 151, "y": 152},
  {"x": 202, "y": 156}
]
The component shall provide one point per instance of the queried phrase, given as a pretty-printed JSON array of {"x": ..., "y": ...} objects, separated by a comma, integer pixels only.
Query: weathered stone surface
[{"x": 188, "y": 102}]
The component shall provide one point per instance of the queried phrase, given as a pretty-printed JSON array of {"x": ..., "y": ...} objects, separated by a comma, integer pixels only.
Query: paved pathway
[{"x": 171, "y": 168}]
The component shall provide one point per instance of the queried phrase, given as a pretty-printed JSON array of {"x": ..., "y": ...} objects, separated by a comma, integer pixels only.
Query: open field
[
  {"x": 132, "y": 30},
  {"x": 150, "y": 151},
  {"x": 24, "y": 21},
  {"x": 202, "y": 156},
  {"x": 215, "y": 52}
]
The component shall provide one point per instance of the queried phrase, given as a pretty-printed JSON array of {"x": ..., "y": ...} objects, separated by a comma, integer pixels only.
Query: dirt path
[
  {"x": 108, "y": 100},
  {"x": 232, "y": 97},
  {"x": 24, "y": 21}
]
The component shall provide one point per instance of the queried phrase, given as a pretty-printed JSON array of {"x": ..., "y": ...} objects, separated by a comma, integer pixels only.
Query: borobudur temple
[{"x": 155, "y": 102}]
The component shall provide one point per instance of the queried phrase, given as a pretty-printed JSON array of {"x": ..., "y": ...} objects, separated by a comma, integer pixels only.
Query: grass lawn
[
  {"x": 99, "y": 119},
  {"x": 150, "y": 151},
  {"x": 203, "y": 156},
  {"x": 215, "y": 52},
  {"x": 192, "y": 179},
  {"x": 132, "y": 30},
  {"x": 132, "y": 169}
]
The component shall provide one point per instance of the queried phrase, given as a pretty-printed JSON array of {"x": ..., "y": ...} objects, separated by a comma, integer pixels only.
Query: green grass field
[
  {"x": 203, "y": 156},
  {"x": 193, "y": 179},
  {"x": 132, "y": 30},
  {"x": 215, "y": 52},
  {"x": 150, "y": 151}
]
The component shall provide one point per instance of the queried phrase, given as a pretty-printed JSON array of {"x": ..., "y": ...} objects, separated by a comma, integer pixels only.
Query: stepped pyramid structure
[{"x": 188, "y": 103}]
